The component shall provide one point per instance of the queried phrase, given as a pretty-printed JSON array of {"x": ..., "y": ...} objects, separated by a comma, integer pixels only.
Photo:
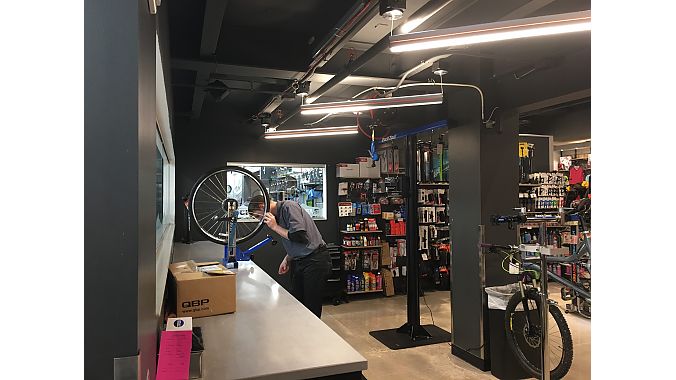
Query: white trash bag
[{"x": 498, "y": 296}]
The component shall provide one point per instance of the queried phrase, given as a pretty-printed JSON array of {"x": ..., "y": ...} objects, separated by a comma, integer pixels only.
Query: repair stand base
[{"x": 408, "y": 336}]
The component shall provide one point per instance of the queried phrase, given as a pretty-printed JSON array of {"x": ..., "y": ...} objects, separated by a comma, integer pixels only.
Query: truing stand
[{"x": 411, "y": 333}]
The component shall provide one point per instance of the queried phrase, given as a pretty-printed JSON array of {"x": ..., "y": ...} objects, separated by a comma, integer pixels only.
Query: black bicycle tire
[
  {"x": 567, "y": 340},
  {"x": 195, "y": 187}
]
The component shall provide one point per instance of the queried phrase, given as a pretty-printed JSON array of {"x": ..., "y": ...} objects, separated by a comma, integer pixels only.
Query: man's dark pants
[{"x": 308, "y": 278}]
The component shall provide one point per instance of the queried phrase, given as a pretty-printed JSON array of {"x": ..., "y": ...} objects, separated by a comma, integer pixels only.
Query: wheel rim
[
  {"x": 528, "y": 340},
  {"x": 208, "y": 198}
]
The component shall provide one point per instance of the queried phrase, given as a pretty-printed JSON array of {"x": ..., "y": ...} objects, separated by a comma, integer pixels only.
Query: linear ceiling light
[
  {"x": 370, "y": 104},
  {"x": 310, "y": 132},
  {"x": 495, "y": 31}
]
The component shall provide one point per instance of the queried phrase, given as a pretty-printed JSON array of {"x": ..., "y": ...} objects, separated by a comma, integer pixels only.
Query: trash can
[{"x": 504, "y": 364}]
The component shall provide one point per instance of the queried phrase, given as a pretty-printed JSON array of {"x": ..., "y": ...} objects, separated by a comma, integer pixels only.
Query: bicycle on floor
[
  {"x": 579, "y": 303},
  {"x": 523, "y": 314}
]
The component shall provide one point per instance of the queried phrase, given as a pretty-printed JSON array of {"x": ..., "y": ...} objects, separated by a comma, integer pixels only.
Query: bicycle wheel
[
  {"x": 208, "y": 202},
  {"x": 524, "y": 340}
]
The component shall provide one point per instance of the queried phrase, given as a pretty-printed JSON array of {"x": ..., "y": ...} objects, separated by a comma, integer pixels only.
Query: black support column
[
  {"x": 412, "y": 326},
  {"x": 119, "y": 154},
  {"x": 483, "y": 181}
]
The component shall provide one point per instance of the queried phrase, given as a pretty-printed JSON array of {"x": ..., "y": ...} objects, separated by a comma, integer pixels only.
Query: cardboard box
[
  {"x": 347, "y": 170},
  {"x": 203, "y": 289},
  {"x": 388, "y": 283},
  {"x": 385, "y": 257},
  {"x": 366, "y": 168}
]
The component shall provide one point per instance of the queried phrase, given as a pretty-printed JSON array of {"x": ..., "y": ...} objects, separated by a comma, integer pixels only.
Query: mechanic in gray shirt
[{"x": 307, "y": 258}]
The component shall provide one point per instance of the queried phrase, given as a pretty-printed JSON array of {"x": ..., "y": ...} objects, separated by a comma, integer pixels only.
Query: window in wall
[
  {"x": 303, "y": 183},
  {"x": 159, "y": 182},
  {"x": 161, "y": 189}
]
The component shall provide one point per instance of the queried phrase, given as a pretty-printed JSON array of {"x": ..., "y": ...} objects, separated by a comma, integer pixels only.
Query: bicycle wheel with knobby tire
[
  {"x": 524, "y": 339},
  {"x": 213, "y": 190}
]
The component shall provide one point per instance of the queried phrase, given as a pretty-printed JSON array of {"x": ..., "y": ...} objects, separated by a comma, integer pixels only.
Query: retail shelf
[
  {"x": 336, "y": 269},
  {"x": 395, "y": 235},
  {"x": 531, "y": 184},
  {"x": 433, "y": 183},
  {"x": 333, "y": 280},
  {"x": 393, "y": 173},
  {"x": 431, "y": 204},
  {"x": 366, "y": 291},
  {"x": 363, "y": 270},
  {"x": 361, "y": 232},
  {"x": 537, "y": 225},
  {"x": 362, "y": 247},
  {"x": 360, "y": 215},
  {"x": 432, "y": 223}
]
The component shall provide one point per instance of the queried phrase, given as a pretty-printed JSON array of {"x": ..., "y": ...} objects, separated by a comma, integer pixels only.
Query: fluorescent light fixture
[
  {"x": 370, "y": 104},
  {"x": 311, "y": 132},
  {"x": 415, "y": 22},
  {"x": 412, "y": 24},
  {"x": 495, "y": 31}
]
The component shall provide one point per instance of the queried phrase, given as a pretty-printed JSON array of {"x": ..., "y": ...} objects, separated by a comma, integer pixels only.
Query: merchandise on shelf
[
  {"x": 543, "y": 191},
  {"x": 435, "y": 196}
]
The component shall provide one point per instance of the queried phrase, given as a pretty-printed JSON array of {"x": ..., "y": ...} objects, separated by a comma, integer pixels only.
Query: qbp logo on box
[{"x": 196, "y": 305}]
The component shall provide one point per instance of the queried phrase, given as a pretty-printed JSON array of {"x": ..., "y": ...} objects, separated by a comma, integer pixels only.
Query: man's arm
[
  {"x": 298, "y": 235},
  {"x": 271, "y": 222}
]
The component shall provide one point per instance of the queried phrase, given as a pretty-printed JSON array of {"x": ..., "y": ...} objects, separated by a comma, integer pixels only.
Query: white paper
[{"x": 179, "y": 324}]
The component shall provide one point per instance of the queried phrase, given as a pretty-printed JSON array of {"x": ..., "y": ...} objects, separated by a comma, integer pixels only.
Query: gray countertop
[{"x": 271, "y": 335}]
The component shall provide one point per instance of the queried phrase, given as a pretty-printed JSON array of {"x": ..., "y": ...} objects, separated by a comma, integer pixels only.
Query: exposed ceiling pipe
[
  {"x": 349, "y": 26},
  {"x": 430, "y": 8}
]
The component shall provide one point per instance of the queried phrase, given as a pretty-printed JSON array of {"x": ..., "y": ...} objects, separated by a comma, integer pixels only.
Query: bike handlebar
[{"x": 491, "y": 246}]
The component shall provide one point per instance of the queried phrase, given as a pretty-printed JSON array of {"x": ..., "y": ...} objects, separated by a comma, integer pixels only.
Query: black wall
[
  {"x": 569, "y": 124},
  {"x": 119, "y": 204},
  {"x": 219, "y": 136}
]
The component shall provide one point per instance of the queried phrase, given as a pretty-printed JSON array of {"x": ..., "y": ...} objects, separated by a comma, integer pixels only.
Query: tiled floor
[{"x": 354, "y": 320}]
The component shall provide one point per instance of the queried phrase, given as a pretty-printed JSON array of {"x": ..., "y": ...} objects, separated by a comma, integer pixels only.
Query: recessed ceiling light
[{"x": 392, "y": 9}]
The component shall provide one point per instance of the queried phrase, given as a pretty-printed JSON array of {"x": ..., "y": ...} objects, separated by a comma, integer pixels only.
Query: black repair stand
[{"x": 411, "y": 333}]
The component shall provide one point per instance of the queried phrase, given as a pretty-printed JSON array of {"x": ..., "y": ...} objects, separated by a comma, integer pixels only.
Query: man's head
[{"x": 257, "y": 206}]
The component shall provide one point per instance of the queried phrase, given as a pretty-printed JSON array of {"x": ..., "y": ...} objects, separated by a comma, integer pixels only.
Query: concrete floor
[{"x": 354, "y": 320}]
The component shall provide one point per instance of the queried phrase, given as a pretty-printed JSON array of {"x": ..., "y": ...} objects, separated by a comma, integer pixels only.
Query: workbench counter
[{"x": 271, "y": 335}]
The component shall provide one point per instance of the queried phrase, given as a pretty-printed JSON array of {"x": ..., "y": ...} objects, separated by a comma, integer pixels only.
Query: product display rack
[
  {"x": 544, "y": 191},
  {"x": 435, "y": 258},
  {"x": 334, "y": 287},
  {"x": 361, "y": 234},
  {"x": 432, "y": 164}
]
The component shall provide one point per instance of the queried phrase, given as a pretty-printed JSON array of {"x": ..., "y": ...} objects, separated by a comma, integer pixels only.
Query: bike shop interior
[{"x": 415, "y": 162}]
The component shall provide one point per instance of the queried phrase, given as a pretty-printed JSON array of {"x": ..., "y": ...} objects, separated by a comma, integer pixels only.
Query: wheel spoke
[
  {"x": 216, "y": 185},
  {"x": 225, "y": 191},
  {"x": 212, "y": 196},
  {"x": 208, "y": 216}
]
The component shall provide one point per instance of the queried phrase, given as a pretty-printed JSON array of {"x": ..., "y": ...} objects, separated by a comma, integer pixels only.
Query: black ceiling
[{"x": 283, "y": 35}]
